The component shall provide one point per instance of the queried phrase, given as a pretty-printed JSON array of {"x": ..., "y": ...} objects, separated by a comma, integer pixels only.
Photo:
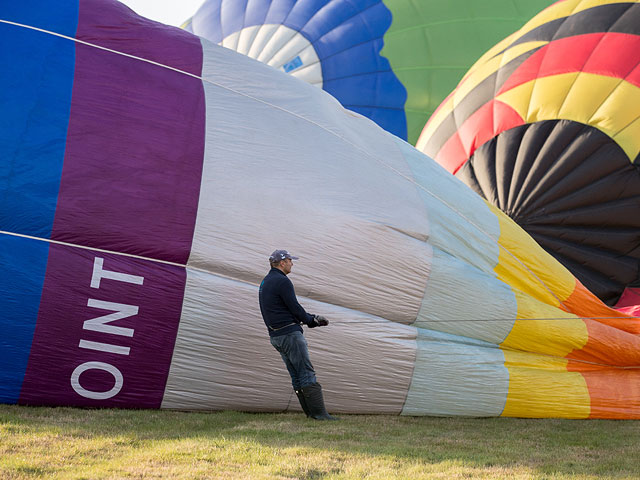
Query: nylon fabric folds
[{"x": 185, "y": 164}]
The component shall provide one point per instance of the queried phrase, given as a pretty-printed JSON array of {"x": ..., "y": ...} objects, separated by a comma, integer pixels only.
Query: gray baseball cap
[{"x": 279, "y": 255}]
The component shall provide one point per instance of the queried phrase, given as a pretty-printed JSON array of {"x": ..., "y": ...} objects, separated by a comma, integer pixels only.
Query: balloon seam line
[{"x": 124, "y": 254}]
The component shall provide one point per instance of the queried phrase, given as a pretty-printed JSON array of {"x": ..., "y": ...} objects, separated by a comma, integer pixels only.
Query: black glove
[{"x": 321, "y": 321}]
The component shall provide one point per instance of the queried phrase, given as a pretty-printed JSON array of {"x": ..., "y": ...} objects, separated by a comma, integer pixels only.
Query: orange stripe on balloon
[
  {"x": 607, "y": 345},
  {"x": 614, "y": 392},
  {"x": 585, "y": 304}
]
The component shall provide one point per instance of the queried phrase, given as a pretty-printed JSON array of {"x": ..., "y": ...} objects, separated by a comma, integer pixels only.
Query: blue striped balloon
[{"x": 334, "y": 44}]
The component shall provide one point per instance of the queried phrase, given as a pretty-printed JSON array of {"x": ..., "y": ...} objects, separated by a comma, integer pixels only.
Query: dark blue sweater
[{"x": 280, "y": 309}]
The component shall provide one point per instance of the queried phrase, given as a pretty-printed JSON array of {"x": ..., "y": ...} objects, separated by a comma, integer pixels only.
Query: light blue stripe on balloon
[
  {"x": 457, "y": 301},
  {"x": 466, "y": 310},
  {"x": 35, "y": 94},
  {"x": 23, "y": 263},
  {"x": 461, "y": 224},
  {"x": 454, "y": 375}
]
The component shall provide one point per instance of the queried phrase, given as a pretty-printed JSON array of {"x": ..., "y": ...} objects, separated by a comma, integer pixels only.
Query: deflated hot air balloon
[
  {"x": 546, "y": 126},
  {"x": 147, "y": 174},
  {"x": 338, "y": 45}
]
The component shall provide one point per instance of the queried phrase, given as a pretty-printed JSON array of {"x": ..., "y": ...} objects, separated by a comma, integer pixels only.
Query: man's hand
[{"x": 321, "y": 321}]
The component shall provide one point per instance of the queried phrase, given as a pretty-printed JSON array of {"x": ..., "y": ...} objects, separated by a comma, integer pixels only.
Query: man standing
[{"x": 283, "y": 316}]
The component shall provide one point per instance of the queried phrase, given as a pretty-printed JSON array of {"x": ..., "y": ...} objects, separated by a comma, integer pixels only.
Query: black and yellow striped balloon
[{"x": 546, "y": 126}]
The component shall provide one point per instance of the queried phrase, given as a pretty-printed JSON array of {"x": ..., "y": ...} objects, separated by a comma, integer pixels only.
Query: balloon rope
[{"x": 478, "y": 320}]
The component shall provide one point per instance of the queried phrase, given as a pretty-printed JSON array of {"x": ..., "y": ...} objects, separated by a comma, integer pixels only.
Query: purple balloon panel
[
  {"x": 133, "y": 161},
  {"x": 105, "y": 332}
]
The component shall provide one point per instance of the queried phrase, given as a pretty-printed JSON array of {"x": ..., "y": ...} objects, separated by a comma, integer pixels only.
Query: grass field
[{"x": 67, "y": 443}]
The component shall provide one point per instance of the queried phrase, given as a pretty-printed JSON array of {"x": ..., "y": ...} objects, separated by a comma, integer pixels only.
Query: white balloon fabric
[{"x": 149, "y": 174}]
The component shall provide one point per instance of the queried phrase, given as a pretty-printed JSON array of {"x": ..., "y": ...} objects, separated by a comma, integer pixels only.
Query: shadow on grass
[{"x": 548, "y": 447}]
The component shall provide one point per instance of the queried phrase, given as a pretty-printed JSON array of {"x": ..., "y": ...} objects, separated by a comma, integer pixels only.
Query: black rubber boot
[
  {"x": 303, "y": 403},
  {"x": 315, "y": 402}
]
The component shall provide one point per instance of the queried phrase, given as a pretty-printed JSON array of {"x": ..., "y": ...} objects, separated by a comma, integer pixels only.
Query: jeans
[{"x": 295, "y": 354}]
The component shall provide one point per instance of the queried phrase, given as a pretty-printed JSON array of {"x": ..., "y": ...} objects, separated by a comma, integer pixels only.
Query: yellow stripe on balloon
[
  {"x": 620, "y": 115},
  {"x": 587, "y": 93},
  {"x": 545, "y": 329},
  {"x": 606, "y": 103},
  {"x": 541, "y": 386},
  {"x": 434, "y": 122},
  {"x": 491, "y": 67},
  {"x": 539, "y": 383},
  {"x": 628, "y": 136},
  {"x": 494, "y": 51},
  {"x": 586, "y": 4},
  {"x": 527, "y": 267}
]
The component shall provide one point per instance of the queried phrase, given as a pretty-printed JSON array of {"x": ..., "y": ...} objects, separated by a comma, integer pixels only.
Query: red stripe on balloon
[
  {"x": 452, "y": 154},
  {"x": 491, "y": 119},
  {"x": 609, "y": 54},
  {"x": 629, "y": 302}
]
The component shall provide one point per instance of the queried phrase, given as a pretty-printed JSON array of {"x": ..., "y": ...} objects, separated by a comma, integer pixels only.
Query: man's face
[{"x": 286, "y": 265}]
